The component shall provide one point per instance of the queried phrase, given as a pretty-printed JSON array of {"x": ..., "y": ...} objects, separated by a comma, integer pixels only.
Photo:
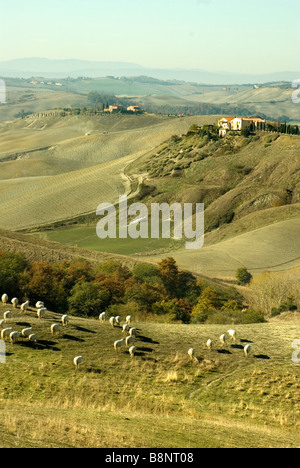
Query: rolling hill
[{"x": 55, "y": 167}]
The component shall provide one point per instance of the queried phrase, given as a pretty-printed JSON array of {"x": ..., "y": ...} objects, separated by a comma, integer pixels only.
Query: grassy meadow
[{"x": 160, "y": 398}]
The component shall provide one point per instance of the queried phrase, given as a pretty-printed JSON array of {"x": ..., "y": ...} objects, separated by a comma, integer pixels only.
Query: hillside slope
[
  {"x": 54, "y": 168},
  {"x": 251, "y": 191}
]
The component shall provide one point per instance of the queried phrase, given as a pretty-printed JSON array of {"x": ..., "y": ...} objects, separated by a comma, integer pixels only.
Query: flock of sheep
[
  {"x": 129, "y": 333},
  {"x": 126, "y": 329},
  {"x": 27, "y": 333},
  {"x": 209, "y": 344}
]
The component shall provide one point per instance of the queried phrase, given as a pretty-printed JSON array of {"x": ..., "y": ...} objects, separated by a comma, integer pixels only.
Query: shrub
[{"x": 243, "y": 276}]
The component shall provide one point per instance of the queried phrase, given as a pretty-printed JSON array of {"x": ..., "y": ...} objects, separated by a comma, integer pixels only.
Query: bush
[{"x": 243, "y": 276}]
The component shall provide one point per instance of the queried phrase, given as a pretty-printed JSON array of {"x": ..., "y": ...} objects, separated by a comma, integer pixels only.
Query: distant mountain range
[{"x": 41, "y": 67}]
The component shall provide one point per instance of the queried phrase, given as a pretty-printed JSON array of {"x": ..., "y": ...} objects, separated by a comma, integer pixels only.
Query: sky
[{"x": 260, "y": 36}]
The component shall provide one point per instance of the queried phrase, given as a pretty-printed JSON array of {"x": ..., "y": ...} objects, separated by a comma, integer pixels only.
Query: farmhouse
[
  {"x": 114, "y": 108},
  {"x": 134, "y": 109},
  {"x": 240, "y": 123}
]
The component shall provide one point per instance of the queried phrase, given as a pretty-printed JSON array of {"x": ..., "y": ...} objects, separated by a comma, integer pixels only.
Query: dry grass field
[
  {"x": 158, "y": 399},
  {"x": 55, "y": 168}
]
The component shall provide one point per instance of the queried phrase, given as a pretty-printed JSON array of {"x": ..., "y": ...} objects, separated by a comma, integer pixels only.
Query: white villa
[{"x": 239, "y": 123}]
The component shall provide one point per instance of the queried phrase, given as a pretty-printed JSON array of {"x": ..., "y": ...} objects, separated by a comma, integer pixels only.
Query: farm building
[{"x": 240, "y": 123}]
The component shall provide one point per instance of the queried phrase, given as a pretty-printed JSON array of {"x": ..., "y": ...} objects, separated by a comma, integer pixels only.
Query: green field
[
  {"x": 158, "y": 399},
  {"x": 85, "y": 237}
]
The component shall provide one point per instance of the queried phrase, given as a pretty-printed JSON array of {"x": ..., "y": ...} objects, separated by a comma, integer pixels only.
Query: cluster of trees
[
  {"x": 82, "y": 289},
  {"x": 283, "y": 128},
  {"x": 161, "y": 292}
]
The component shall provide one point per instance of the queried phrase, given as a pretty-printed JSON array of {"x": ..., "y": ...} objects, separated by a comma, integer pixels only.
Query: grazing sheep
[
  {"x": 15, "y": 302},
  {"x": 102, "y": 317},
  {"x": 65, "y": 320},
  {"x": 191, "y": 353},
  {"x": 209, "y": 344},
  {"x": 132, "y": 351},
  {"x": 4, "y": 298},
  {"x": 32, "y": 338},
  {"x": 232, "y": 334},
  {"x": 112, "y": 321},
  {"x": 118, "y": 320},
  {"x": 129, "y": 340},
  {"x": 223, "y": 339},
  {"x": 128, "y": 319},
  {"x": 6, "y": 316},
  {"x": 118, "y": 344},
  {"x": 133, "y": 332},
  {"x": 41, "y": 313},
  {"x": 247, "y": 350},
  {"x": 77, "y": 361},
  {"x": 55, "y": 328},
  {"x": 14, "y": 336},
  {"x": 24, "y": 306},
  {"x": 5, "y": 332},
  {"x": 26, "y": 332},
  {"x": 39, "y": 305},
  {"x": 126, "y": 328}
]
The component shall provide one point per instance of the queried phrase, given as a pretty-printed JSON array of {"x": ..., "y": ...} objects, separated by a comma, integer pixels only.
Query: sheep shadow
[
  {"x": 72, "y": 338},
  {"x": 84, "y": 330},
  {"x": 145, "y": 339},
  {"x": 262, "y": 356},
  {"x": 237, "y": 346},
  {"x": 223, "y": 351},
  {"x": 144, "y": 349},
  {"x": 93, "y": 370},
  {"x": 23, "y": 324},
  {"x": 246, "y": 341},
  {"x": 43, "y": 344}
]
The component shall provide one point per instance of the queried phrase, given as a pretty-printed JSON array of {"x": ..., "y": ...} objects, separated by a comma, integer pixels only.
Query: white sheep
[
  {"x": 133, "y": 332},
  {"x": 39, "y": 305},
  {"x": 7, "y": 316},
  {"x": 223, "y": 339},
  {"x": 102, "y": 317},
  {"x": 112, "y": 321},
  {"x": 41, "y": 313},
  {"x": 5, "y": 332},
  {"x": 191, "y": 353},
  {"x": 128, "y": 319},
  {"x": 126, "y": 328},
  {"x": 55, "y": 328},
  {"x": 4, "y": 298},
  {"x": 118, "y": 344},
  {"x": 247, "y": 350},
  {"x": 15, "y": 302},
  {"x": 32, "y": 338},
  {"x": 118, "y": 320},
  {"x": 24, "y": 306},
  {"x": 209, "y": 344},
  {"x": 77, "y": 361},
  {"x": 232, "y": 334},
  {"x": 26, "y": 332},
  {"x": 132, "y": 351},
  {"x": 14, "y": 336},
  {"x": 129, "y": 340},
  {"x": 65, "y": 320}
]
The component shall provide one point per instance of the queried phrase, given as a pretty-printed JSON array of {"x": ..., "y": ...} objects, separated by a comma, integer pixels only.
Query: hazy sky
[{"x": 258, "y": 36}]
